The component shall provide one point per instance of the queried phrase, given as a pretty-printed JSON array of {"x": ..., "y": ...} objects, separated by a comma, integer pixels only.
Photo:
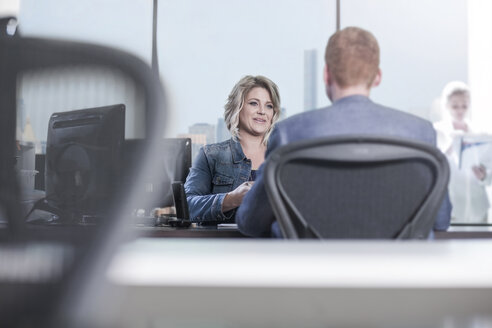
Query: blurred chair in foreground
[{"x": 49, "y": 273}]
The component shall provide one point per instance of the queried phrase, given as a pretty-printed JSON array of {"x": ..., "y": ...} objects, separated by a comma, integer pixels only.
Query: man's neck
[{"x": 339, "y": 93}]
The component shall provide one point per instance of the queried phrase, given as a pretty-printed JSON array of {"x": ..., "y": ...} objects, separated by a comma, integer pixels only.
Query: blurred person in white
[{"x": 466, "y": 186}]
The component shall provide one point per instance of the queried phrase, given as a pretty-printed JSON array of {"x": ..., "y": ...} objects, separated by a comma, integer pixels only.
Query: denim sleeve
[
  {"x": 255, "y": 216},
  {"x": 203, "y": 205},
  {"x": 444, "y": 215}
]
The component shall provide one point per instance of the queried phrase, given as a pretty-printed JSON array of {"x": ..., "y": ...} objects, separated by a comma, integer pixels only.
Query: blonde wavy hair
[{"x": 235, "y": 103}]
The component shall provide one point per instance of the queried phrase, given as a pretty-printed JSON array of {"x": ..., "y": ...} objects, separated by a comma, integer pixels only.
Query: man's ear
[
  {"x": 326, "y": 75},
  {"x": 377, "y": 78}
]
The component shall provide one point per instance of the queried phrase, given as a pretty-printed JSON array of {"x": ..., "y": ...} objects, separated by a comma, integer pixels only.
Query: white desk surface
[
  {"x": 270, "y": 263},
  {"x": 269, "y": 283}
]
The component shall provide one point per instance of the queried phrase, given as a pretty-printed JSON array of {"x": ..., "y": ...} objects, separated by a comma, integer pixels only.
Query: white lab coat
[{"x": 466, "y": 192}]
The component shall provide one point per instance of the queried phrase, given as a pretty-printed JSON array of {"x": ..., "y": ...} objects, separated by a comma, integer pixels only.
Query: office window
[
  {"x": 206, "y": 47},
  {"x": 44, "y": 92},
  {"x": 125, "y": 25},
  {"x": 425, "y": 45}
]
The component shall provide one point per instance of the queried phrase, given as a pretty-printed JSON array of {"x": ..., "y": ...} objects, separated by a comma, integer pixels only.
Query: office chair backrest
[
  {"x": 356, "y": 187},
  {"x": 61, "y": 300}
]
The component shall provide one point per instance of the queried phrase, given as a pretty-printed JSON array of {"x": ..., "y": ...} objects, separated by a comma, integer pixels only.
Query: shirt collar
[
  {"x": 237, "y": 151},
  {"x": 352, "y": 98}
]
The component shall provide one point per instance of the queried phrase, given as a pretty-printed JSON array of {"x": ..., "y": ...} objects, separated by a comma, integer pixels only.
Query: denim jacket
[{"x": 218, "y": 169}]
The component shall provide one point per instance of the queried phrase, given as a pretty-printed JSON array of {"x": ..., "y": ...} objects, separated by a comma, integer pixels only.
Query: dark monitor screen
[
  {"x": 83, "y": 158},
  {"x": 173, "y": 164}
]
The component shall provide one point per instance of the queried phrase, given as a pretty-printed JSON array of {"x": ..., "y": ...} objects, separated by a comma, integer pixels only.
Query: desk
[
  {"x": 465, "y": 232},
  {"x": 274, "y": 283},
  {"x": 454, "y": 232},
  {"x": 191, "y": 232}
]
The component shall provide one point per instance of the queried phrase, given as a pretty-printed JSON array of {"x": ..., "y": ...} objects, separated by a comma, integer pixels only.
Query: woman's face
[
  {"x": 458, "y": 106},
  {"x": 256, "y": 115}
]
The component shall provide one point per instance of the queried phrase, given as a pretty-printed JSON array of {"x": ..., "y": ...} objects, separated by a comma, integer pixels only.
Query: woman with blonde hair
[
  {"x": 466, "y": 186},
  {"x": 222, "y": 173}
]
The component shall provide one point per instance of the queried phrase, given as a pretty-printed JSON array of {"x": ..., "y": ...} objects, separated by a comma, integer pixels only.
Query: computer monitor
[
  {"x": 173, "y": 164},
  {"x": 83, "y": 158}
]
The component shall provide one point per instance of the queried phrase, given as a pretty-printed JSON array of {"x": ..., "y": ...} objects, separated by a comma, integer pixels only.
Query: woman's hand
[
  {"x": 480, "y": 172},
  {"x": 234, "y": 198}
]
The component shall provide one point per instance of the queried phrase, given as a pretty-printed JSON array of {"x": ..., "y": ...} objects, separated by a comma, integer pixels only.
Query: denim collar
[{"x": 237, "y": 151}]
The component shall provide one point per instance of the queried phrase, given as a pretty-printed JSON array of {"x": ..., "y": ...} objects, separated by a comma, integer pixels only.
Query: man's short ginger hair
[{"x": 352, "y": 57}]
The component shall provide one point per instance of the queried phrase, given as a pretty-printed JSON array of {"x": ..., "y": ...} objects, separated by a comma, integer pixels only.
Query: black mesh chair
[
  {"x": 48, "y": 273},
  {"x": 356, "y": 187}
]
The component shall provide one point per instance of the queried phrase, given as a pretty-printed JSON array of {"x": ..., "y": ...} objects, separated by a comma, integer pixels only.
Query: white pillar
[
  {"x": 480, "y": 62},
  {"x": 480, "y": 67}
]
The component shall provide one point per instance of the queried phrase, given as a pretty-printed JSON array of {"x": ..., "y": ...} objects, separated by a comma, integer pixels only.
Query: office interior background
[{"x": 203, "y": 48}]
